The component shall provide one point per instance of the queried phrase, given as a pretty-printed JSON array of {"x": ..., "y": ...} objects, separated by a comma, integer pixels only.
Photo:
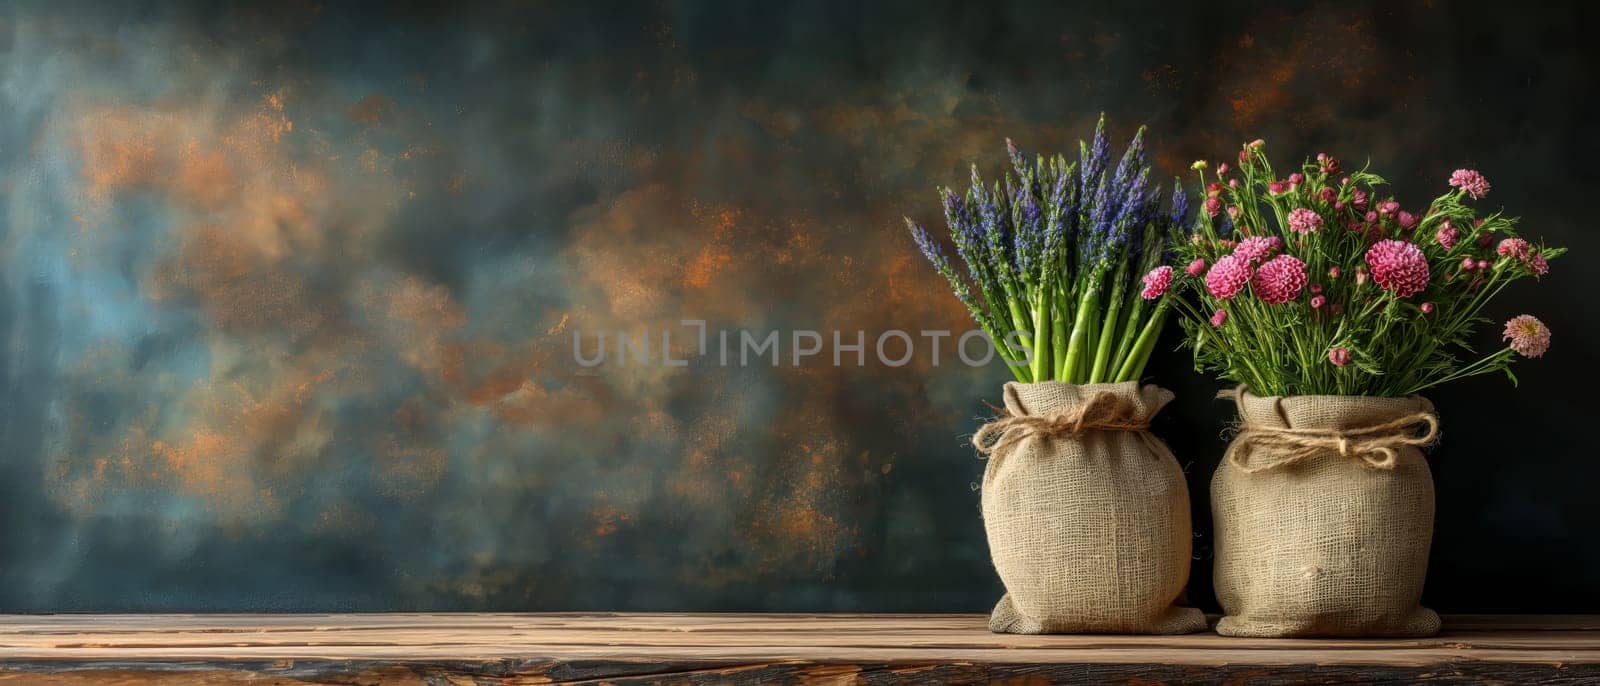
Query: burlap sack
[
  {"x": 1323, "y": 529},
  {"x": 1087, "y": 513}
]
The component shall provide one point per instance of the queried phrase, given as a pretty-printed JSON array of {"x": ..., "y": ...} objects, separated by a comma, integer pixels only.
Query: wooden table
[{"x": 746, "y": 648}]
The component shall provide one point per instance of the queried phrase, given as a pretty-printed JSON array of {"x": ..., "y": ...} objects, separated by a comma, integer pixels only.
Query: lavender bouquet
[{"x": 1051, "y": 257}]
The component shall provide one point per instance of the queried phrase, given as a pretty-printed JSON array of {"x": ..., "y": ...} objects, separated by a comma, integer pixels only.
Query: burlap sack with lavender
[
  {"x": 1087, "y": 512},
  {"x": 1323, "y": 509}
]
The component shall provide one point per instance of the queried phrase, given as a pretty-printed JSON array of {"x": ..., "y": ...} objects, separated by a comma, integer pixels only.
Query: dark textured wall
[{"x": 287, "y": 290}]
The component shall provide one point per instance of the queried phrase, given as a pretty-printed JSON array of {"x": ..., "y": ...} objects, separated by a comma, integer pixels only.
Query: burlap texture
[
  {"x": 1329, "y": 545},
  {"x": 1090, "y": 533}
]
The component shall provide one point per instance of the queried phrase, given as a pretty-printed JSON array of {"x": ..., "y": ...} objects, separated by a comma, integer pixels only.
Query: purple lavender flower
[
  {"x": 1092, "y": 159},
  {"x": 1180, "y": 205},
  {"x": 1018, "y": 162}
]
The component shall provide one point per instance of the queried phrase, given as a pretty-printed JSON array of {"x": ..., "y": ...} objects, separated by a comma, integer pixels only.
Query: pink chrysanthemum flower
[
  {"x": 1398, "y": 266},
  {"x": 1304, "y": 221},
  {"x": 1197, "y": 267},
  {"x": 1228, "y": 276},
  {"x": 1528, "y": 336},
  {"x": 1470, "y": 181},
  {"x": 1279, "y": 280},
  {"x": 1512, "y": 247},
  {"x": 1339, "y": 357},
  {"x": 1406, "y": 220},
  {"x": 1219, "y": 318},
  {"x": 1447, "y": 236},
  {"x": 1537, "y": 264},
  {"x": 1258, "y": 248},
  {"x": 1157, "y": 282}
]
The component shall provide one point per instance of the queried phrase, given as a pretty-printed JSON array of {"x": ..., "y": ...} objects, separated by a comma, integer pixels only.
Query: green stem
[
  {"x": 1058, "y": 334},
  {"x": 1041, "y": 339},
  {"x": 1133, "y": 367},
  {"x": 1088, "y": 305},
  {"x": 1108, "y": 330}
]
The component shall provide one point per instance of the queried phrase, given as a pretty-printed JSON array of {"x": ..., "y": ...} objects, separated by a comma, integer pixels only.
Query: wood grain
[{"x": 749, "y": 648}]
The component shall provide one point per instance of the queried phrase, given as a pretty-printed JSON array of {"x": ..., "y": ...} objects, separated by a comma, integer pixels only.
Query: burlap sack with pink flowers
[
  {"x": 1323, "y": 510},
  {"x": 1087, "y": 513}
]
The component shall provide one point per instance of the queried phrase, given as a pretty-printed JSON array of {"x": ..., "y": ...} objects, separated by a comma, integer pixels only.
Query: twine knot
[
  {"x": 1104, "y": 411},
  {"x": 1376, "y": 445}
]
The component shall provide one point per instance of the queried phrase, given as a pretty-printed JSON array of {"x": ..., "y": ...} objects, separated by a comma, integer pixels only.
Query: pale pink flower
[
  {"x": 1157, "y": 282},
  {"x": 1388, "y": 207},
  {"x": 1279, "y": 280},
  {"x": 1228, "y": 276},
  {"x": 1277, "y": 187},
  {"x": 1483, "y": 264},
  {"x": 1468, "y": 264},
  {"x": 1304, "y": 221},
  {"x": 1512, "y": 247},
  {"x": 1258, "y": 248},
  {"x": 1197, "y": 267},
  {"x": 1427, "y": 308},
  {"x": 1398, "y": 266},
  {"x": 1339, "y": 357},
  {"x": 1222, "y": 168},
  {"x": 1528, "y": 336},
  {"x": 1318, "y": 301},
  {"x": 1219, "y": 318},
  {"x": 1406, "y": 220},
  {"x": 1333, "y": 272},
  {"x": 1470, "y": 181}
]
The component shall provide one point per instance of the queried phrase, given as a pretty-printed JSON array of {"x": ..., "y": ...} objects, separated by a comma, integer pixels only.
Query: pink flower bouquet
[{"x": 1313, "y": 283}]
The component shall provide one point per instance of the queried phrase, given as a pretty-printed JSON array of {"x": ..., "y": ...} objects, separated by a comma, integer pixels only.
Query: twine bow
[
  {"x": 1103, "y": 412},
  {"x": 1375, "y": 445}
]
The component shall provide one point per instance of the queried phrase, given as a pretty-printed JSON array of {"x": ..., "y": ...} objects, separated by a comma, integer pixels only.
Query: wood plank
[{"x": 723, "y": 648}]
